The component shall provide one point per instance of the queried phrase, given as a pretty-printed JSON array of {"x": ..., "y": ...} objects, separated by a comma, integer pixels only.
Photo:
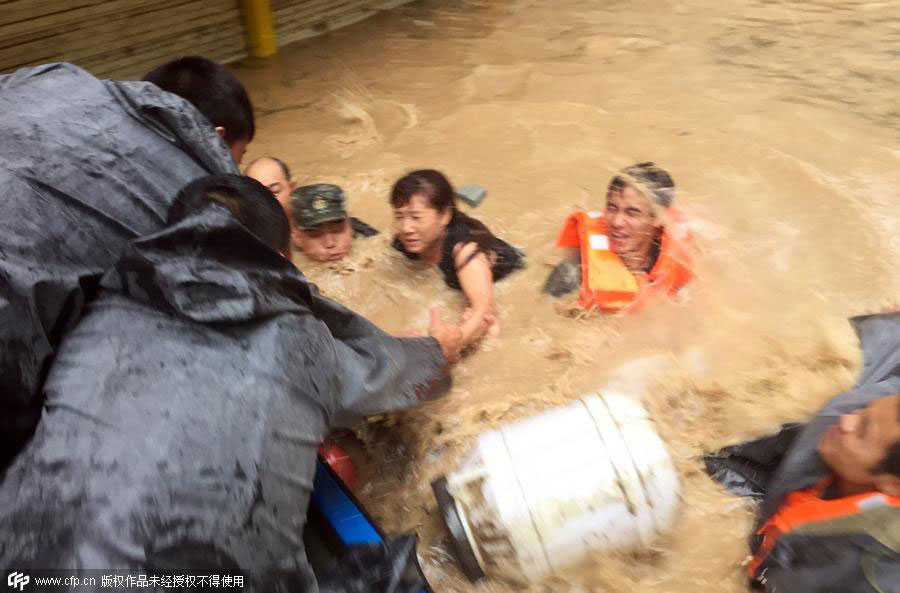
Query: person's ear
[
  {"x": 292, "y": 183},
  {"x": 287, "y": 253},
  {"x": 446, "y": 215},
  {"x": 220, "y": 130},
  {"x": 660, "y": 217},
  {"x": 888, "y": 484}
]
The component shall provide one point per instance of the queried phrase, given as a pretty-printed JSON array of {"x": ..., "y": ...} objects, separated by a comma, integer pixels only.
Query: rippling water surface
[{"x": 779, "y": 122}]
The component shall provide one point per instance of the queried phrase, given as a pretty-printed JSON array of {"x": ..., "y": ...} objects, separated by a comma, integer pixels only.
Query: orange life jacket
[
  {"x": 807, "y": 507},
  {"x": 606, "y": 283}
]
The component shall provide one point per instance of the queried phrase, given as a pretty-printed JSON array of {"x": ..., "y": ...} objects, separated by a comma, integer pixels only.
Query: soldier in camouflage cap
[{"x": 323, "y": 230}]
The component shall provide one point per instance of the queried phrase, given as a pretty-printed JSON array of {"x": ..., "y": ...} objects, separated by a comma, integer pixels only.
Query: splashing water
[{"x": 778, "y": 121}]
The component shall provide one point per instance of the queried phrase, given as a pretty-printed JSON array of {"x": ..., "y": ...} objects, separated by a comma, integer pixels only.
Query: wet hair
[
  {"x": 891, "y": 462},
  {"x": 213, "y": 90},
  {"x": 439, "y": 193},
  {"x": 281, "y": 165},
  {"x": 650, "y": 178},
  {"x": 248, "y": 200}
]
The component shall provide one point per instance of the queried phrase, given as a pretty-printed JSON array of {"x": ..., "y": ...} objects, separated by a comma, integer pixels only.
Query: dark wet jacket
[
  {"x": 184, "y": 411},
  {"x": 504, "y": 257},
  {"x": 87, "y": 166},
  {"x": 859, "y": 553}
]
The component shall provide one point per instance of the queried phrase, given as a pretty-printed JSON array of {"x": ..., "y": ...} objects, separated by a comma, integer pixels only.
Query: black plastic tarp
[
  {"x": 387, "y": 567},
  {"x": 184, "y": 411},
  {"x": 746, "y": 469},
  {"x": 87, "y": 166}
]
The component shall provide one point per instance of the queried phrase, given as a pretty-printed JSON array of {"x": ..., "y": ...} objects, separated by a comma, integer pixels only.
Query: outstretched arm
[
  {"x": 380, "y": 373},
  {"x": 477, "y": 282}
]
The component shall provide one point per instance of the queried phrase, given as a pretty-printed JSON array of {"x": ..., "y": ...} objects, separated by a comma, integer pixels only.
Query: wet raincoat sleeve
[
  {"x": 185, "y": 409},
  {"x": 88, "y": 165},
  {"x": 379, "y": 373}
]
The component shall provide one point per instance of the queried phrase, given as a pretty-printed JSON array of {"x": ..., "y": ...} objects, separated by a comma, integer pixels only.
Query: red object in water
[{"x": 338, "y": 460}]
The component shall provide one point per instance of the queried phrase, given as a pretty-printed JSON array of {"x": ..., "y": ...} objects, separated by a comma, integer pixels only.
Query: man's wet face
[
  {"x": 329, "y": 241},
  {"x": 270, "y": 174},
  {"x": 855, "y": 444},
  {"x": 630, "y": 222}
]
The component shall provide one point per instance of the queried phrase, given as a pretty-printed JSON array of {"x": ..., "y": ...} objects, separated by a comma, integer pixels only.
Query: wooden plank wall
[
  {"x": 298, "y": 19},
  {"x": 118, "y": 38},
  {"x": 126, "y": 38}
]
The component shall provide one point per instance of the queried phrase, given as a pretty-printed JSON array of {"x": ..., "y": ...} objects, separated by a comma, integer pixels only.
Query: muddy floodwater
[{"x": 779, "y": 122}]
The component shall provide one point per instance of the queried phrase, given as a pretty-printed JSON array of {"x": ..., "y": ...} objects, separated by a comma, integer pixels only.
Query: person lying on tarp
[
  {"x": 430, "y": 228},
  {"x": 637, "y": 247},
  {"x": 184, "y": 411},
  {"x": 89, "y": 165},
  {"x": 829, "y": 518},
  {"x": 321, "y": 229}
]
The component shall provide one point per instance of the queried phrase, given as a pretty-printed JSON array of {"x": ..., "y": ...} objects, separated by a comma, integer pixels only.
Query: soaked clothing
[
  {"x": 88, "y": 166},
  {"x": 819, "y": 542},
  {"x": 806, "y": 540},
  {"x": 504, "y": 258},
  {"x": 184, "y": 412},
  {"x": 361, "y": 229}
]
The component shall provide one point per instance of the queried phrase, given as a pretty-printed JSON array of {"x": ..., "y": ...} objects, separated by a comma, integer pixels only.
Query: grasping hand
[{"x": 448, "y": 335}]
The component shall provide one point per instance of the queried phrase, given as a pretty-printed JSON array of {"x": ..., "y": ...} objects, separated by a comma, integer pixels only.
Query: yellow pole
[{"x": 258, "y": 22}]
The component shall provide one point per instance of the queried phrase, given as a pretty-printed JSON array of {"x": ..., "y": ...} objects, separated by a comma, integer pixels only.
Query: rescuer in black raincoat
[
  {"x": 88, "y": 165},
  {"x": 184, "y": 411},
  {"x": 829, "y": 490}
]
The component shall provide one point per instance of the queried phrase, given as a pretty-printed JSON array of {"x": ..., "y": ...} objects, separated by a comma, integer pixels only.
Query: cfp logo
[{"x": 17, "y": 580}]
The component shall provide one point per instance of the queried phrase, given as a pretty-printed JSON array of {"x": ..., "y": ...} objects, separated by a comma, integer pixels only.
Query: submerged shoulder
[{"x": 362, "y": 229}]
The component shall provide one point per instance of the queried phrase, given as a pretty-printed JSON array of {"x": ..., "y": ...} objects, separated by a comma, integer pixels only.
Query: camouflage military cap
[{"x": 311, "y": 205}]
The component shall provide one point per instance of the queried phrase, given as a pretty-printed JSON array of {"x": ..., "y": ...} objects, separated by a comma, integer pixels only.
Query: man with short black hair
[
  {"x": 216, "y": 93},
  {"x": 90, "y": 165},
  {"x": 246, "y": 199},
  {"x": 863, "y": 449},
  {"x": 842, "y": 531}
]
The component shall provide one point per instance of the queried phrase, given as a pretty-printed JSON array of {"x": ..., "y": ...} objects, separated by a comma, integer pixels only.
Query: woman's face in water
[{"x": 419, "y": 225}]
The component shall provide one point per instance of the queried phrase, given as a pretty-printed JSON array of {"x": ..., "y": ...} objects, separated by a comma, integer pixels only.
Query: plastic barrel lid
[{"x": 449, "y": 513}]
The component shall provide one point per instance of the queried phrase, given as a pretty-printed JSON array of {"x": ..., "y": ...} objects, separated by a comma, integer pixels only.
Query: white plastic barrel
[{"x": 538, "y": 496}]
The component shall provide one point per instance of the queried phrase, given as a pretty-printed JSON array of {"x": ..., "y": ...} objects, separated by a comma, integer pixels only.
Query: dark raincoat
[
  {"x": 856, "y": 555},
  {"x": 87, "y": 166},
  {"x": 184, "y": 411}
]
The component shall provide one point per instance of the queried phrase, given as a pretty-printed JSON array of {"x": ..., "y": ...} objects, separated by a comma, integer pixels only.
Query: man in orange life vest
[
  {"x": 634, "y": 249},
  {"x": 829, "y": 520}
]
